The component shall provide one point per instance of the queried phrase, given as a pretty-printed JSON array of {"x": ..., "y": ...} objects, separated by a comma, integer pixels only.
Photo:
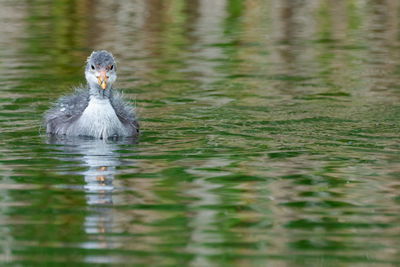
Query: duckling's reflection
[{"x": 101, "y": 159}]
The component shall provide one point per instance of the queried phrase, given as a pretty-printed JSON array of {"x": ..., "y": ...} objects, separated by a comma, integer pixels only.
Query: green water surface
[{"x": 270, "y": 134}]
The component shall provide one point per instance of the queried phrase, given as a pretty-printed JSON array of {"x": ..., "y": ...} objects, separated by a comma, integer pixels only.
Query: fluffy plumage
[{"x": 95, "y": 111}]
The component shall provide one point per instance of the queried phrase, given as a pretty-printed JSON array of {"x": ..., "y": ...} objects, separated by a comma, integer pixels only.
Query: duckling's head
[{"x": 100, "y": 73}]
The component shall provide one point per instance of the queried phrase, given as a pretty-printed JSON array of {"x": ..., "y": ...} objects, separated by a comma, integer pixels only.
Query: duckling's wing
[
  {"x": 125, "y": 112},
  {"x": 66, "y": 110}
]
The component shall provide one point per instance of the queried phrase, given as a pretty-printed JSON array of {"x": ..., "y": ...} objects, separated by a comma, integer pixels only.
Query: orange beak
[{"x": 102, "y": 79}]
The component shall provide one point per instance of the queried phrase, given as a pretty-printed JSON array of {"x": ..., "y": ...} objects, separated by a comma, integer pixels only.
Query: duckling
[{"x": 97, "y": 111}]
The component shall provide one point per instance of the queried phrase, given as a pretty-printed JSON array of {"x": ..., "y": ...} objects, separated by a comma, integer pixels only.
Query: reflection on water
[
  {"x": 97, "y": 155},
  {"x": 270, "y": 134},
  {"x": 100, "y": 161}
]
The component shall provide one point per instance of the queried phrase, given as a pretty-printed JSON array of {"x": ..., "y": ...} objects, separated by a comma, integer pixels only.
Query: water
[{"x": 270, "y": 134}]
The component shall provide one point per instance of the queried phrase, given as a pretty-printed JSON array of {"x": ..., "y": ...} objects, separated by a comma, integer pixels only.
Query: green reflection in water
[{"x": 270, "y": 135}]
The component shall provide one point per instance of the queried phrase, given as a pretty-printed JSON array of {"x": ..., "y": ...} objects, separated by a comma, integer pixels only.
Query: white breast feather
[{"x": 99, "y": 120}]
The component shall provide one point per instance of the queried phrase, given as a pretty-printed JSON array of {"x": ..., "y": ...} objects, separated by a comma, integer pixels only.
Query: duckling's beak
[{"x": 102, "y": 79}]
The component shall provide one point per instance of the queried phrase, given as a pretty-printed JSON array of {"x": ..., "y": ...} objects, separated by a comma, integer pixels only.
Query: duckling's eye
[
  {"x": 92, "y": 67},
  {"x": 111, "y": 67}
]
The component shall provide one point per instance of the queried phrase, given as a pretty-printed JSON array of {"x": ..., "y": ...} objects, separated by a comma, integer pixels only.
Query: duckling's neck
[
  {"x": 95, "y": 91},
  {"x": 98, "y": 108}
]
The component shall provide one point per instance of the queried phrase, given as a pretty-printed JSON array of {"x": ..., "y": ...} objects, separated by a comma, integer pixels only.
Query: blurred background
[{"x": 270, "y": 134}]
